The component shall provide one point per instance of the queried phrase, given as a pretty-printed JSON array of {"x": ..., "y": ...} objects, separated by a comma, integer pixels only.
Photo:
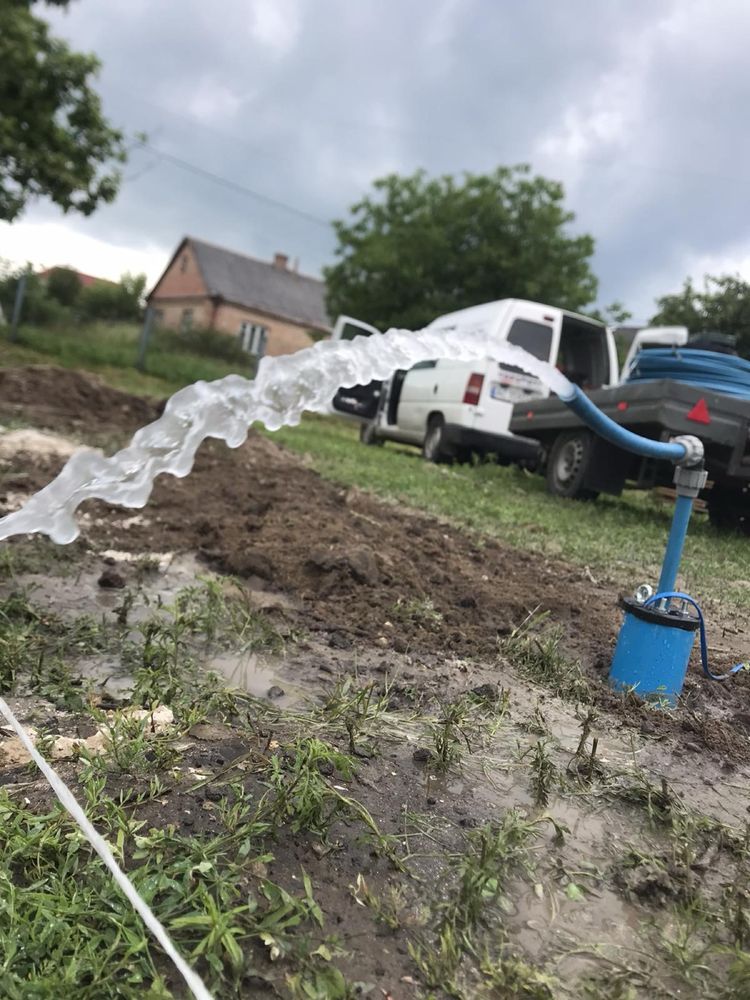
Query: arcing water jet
[{"x": 282, "y": 390}]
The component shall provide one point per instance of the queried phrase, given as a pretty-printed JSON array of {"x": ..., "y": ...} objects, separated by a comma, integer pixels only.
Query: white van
[{"x": 454, "y": 408}]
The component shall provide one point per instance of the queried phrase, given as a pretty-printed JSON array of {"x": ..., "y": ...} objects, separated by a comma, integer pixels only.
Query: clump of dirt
[{"x": 655, "y": 882}]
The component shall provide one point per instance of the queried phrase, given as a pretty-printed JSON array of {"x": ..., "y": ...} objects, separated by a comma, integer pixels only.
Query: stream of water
[{"x": 283, "y": 389}]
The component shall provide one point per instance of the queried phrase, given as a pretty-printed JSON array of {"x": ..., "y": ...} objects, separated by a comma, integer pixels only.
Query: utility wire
[{"x": 231, "y": 185}]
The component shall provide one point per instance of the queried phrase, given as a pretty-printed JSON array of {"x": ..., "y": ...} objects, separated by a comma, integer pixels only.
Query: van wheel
[
  {"x": 368, "y": 435},
  {"x": 568, "y": 463},
  {"x": 433, "y": 447}
]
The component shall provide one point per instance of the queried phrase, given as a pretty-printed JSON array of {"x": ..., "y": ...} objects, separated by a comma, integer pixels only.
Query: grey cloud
[{"x": 309, "y": 111}]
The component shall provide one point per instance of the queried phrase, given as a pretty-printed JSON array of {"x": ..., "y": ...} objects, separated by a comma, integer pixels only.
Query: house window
[
  {"x": 253, "y": 338},
  {"x": 186, "y": 320},
  {"x": 184, "y": 263}
]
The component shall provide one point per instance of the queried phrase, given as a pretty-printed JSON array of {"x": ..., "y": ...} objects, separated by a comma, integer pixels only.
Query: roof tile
[{"x": 258, "y": 285}]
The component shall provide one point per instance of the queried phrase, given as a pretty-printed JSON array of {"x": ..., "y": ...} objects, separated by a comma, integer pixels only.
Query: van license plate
[
  {"x": 498, "y": 391},
  {"x": 506, "y": 393}
]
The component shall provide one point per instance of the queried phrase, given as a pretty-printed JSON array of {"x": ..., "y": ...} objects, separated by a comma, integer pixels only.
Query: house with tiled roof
[{"x": 268, "y": 306}]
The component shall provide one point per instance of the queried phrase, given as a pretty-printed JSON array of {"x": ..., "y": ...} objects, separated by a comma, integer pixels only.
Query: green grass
[
  {"x": 621, "y": 539},
  {"x": 110, "y": 350}
]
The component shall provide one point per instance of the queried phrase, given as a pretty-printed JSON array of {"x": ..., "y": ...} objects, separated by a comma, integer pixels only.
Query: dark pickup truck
[{"x": 579, "y": 464}]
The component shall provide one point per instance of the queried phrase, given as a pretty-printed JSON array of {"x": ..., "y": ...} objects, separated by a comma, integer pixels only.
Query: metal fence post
[
  {"x": 148, "y": 324},
  {"x": 17, "y": 306}
]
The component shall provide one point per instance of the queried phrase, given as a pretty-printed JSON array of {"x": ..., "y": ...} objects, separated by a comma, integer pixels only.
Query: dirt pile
[{"x": 62, "y": 399}]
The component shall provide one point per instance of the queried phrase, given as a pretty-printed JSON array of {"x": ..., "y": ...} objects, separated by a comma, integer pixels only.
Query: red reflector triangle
[{"x": 699, "y": 413}]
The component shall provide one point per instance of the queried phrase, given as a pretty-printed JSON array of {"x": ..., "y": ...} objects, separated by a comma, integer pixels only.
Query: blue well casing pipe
[
  {"x": 655, "y": 642},
  {"x": 652, "y": 653},
  {"x": 683, "y": 508}
]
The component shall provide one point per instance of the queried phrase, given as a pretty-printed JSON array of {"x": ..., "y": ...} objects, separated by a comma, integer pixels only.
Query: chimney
[{"x": 281, "y": 260}]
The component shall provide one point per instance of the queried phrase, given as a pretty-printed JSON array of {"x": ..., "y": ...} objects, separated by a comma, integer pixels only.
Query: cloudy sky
[{"x": 640, "y": 107}]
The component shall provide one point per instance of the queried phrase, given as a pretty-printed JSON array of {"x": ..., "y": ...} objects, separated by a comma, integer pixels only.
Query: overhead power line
[{"x": 231, "y": 185}]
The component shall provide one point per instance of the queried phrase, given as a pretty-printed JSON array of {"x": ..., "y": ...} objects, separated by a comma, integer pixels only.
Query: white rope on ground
[{"x": 66, "y": 797}]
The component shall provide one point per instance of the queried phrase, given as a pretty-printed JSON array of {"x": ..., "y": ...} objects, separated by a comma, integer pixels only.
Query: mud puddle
[{"x": 259, "y": 676}]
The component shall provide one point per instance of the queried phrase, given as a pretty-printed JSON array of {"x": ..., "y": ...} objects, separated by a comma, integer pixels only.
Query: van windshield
[
  {"x": 351, "y": 330},
  {"x": 536, "y": 338}
]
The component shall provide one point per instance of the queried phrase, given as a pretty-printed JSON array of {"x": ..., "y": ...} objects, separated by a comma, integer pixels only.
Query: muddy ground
[
  {"x": 354, "y": 568},
  {"x": 357, "y": 587}
]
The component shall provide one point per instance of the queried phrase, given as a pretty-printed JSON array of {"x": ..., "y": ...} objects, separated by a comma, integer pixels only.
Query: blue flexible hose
[
  {"x": 719, "y": 372},
  {"x": 591, "y": 415},
  {"x": 669, "y": 595}
]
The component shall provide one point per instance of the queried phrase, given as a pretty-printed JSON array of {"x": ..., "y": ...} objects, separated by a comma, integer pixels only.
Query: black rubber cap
[{"x": 654, "y": 615}]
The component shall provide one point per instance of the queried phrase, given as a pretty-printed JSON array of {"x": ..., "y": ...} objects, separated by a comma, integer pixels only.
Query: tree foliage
[
  {"x": 109, "y": 301},
  {"x": 63, "y": 285},
  {"x": 722, "y": 306},
  {"x": 54, "y": 140},
  {"x": 418, "y": 247},
  {"x": 38, "y": 306},
  {"x": 51, "y": 301},
  {"x": 614, "y": 314}
]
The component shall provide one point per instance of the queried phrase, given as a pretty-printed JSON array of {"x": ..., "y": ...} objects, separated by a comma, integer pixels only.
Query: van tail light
[{"x": 473, "y": 388}]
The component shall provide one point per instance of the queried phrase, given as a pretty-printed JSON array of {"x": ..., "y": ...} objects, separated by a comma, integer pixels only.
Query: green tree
[
  {"x": 54, "y": 140},
  {"x": 63, "y": 285},
  {"x": 418, "y": 247},
  {"x": 722, "y": 306},
  {"x": 614, "y": 314},
  {"x": 109, "y": 301},
  {"x": 38, "y": 307}
]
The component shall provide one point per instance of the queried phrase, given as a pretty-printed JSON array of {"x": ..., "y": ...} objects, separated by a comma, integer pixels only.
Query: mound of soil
[
  {"x": 59, "y": 398},
  {"x": 364, "y": 568}
]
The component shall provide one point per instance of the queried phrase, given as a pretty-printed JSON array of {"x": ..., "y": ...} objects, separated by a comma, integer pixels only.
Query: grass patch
[
  {"x": 534, "y": 649},
  {"x": 35, "y": 643},
  {"x": 19, "y": 556},
  {"x": 164, "y": 652},
  {"x": 110, "y": 350},
  {"x": 479, "y": 882},
  {"x": 64, "y": 928},
  {"x": 622, "y": 538}
]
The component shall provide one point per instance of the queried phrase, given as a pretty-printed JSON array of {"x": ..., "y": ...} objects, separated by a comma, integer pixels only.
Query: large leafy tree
[
  {"x": 417, "y": 247},
  {"x": 721, "y": 306},
  {"x": 54, "y": 140}
]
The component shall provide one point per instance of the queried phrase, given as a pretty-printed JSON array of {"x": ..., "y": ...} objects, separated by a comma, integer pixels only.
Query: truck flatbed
[
  {"x": 663, "y": 403},
  {"x": 660, "y": 409}
]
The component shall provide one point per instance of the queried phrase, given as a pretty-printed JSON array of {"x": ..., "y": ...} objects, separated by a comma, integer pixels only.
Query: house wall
[
  {"x": 170, "y": 312},
  {"x": 181, "y": 279},
  {"x": 182, "y": 287},
  {"x": 283, "y": 337}
]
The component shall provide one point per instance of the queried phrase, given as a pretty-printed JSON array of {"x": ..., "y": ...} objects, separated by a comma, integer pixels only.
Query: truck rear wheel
[
  {"x": 729, "y": 510},
  {"x": 568, "y": 463},
  {"x": 433, "y": 446}
]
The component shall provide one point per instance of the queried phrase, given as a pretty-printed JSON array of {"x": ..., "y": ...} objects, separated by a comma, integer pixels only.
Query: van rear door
[{"x": 360, "y": 402}]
